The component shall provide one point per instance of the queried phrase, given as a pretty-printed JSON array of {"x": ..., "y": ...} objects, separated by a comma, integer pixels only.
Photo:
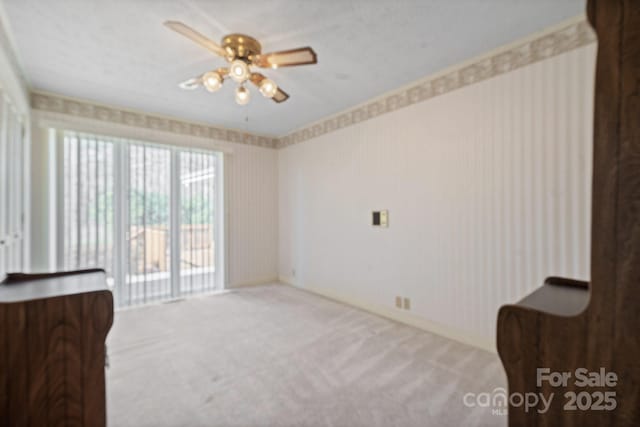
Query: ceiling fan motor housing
[{"x": 243, "y": 47}]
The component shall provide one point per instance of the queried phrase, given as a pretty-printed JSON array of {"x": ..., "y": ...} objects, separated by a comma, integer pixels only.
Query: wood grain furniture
[
  {"x": 564, "y": 325},
  {"x": 52, "y": 354}
]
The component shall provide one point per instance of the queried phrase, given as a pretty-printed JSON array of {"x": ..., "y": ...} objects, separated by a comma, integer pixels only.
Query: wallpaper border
[
  {"x": 567, "y": 38},
  {"x": 74, "y": 107}
]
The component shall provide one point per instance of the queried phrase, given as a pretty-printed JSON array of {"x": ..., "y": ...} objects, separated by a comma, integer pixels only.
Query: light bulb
[
  {"x": 239, "y": 70},
  {"x": 242, "y": 95},
  {"x": 212, "y": 81},
  {"x": 268, "y": 88}
]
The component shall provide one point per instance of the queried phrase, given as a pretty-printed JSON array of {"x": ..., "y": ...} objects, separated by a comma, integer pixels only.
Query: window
[{"x": 145, "y": 213}]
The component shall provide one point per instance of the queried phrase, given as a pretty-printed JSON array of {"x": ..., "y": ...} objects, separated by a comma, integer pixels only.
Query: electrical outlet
[
  {"x": 399, "y": 302},
  {"x": 407, "y": 304},
  {"x": 293, "y": 273}
]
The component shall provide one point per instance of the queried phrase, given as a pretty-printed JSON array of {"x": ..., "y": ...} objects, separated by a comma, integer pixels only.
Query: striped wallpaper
[
  {"x": 252, "y": 217},
  {"x": 488, "y": 192}
]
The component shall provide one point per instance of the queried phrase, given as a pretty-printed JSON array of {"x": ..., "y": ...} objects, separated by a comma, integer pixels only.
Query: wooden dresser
[{"x": 52, "y": 355}]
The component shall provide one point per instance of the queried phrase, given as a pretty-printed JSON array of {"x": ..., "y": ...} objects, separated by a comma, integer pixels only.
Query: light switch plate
[
  {"x": 399, "y": 302},
  {"x": 407, "y": 304},
  {"x": 384, "y": 218},
  {"x": 380, "y": 218}
]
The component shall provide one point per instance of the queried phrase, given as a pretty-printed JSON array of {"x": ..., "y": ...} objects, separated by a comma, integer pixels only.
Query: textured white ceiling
[{"x": 117, "y": 51}]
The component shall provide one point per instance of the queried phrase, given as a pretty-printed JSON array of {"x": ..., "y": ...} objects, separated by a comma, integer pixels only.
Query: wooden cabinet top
[{"x": 29, "y": 287}]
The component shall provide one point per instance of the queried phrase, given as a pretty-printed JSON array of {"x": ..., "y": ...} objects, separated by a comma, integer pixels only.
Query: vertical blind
[
  {"x": 145, "y": 213},
  {"x": 148, "y": 224},
  {"x": 88, "y": 202},
  {"x": 12, "y": 154},
  {"x": 197, "y": 220}
]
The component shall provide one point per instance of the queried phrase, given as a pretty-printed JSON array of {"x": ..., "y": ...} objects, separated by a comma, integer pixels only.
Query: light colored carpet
[{"x": 278, "y": 356}]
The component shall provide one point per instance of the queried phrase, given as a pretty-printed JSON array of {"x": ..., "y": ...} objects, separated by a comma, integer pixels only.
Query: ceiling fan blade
[
  {"x": 191, "y": 84},
  {"x": 280, "y": 96},
  {"x": 287, "y": 58},
  {"x": 195, "y": 36},
  {"x": 257, "y": 78}
]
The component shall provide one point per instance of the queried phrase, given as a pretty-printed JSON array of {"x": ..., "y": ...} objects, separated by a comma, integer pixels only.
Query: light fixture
[
  {"x": 212, "y": 81},
  {"x": 239, "y": 71},
  {"x": 243, "y": 54},
  {"x": 268, "y": 88},
  {"x": 242, "y": 95}
]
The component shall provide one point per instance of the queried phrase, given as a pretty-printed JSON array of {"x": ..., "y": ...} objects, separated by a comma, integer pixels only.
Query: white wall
[
  {"x": 488, "y": 192},
  {"x": 251, "y": 186}
]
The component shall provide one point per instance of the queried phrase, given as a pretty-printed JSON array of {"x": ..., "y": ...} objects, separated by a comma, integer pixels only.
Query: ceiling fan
[{"x": 242, "y": 52}]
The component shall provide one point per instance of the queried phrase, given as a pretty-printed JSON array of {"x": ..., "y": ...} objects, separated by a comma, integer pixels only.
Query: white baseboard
[
  {"x": 253, "y": 283},
  {"x": 399, "y": 316}
]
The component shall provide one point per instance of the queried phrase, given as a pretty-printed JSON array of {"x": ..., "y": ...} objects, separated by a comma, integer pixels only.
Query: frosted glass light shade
[
  {"x": 268, "y": 88},
  {"x": 242, "y": 95},
  {"x": 212, "y": 81},
  {"x": 239, "y": 71}
]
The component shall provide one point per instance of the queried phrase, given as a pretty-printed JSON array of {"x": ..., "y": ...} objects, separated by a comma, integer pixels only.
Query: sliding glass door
[
  {"x": 148, "y": 237},
  {"x": 197, "y": 221},
  {"x": 148, "y": 214}
]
